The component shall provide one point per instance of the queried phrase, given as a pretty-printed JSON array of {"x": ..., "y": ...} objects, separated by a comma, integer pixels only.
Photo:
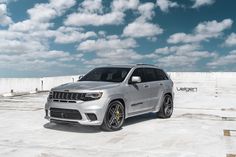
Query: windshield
[{"x": 106, "y": 74}]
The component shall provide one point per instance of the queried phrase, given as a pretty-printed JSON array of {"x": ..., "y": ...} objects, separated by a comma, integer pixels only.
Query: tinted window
[
  {"x": 106, "y": 74},
  {"x": 161, "y": 75},
  {"x": 138, "y": 72},
  {"x": 149, "y": 74}
]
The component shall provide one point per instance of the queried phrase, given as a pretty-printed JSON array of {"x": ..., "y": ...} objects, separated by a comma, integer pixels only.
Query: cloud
[
  {"x": 200, "y": 3},
  {"x": 7, "y": 1},
  {"x": 231, "y": 40},
  {"x": 41, "y": 14},
  {"x": 83, "y": 19},
  {"x": 65, "y": 35},
  {"x": 26, "y": 43},
  {"x": 91, "y": 13},
  {"x": 117, "y": 56},
  {"x": 166, "y": 4},
  {"x": 141, "y": 27},
  {"x": 180, "y": 56},
  {"x": 123, "y": 5},
  {"x": 110, "y": 49},
  {"x": 91, "y": 6},
  {"x": 19, "y": 47},
  {"x": 228, "y": 59},
  {"x": 146, "y": 11},
  {"x": 202, "y": 32},
  {"x": 107, "y": 44},
  {"x": 181, "y": 49},
  {"x": 4, "y": 18}
]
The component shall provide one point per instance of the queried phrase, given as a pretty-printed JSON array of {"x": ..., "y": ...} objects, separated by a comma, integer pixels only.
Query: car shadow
[
  {"x": 72, "y": 128},
  {"x": 139, "y": 119},
  {"x": 96, "y": 129}
]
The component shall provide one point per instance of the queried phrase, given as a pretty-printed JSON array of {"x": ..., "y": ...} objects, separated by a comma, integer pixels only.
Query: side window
[
  {"x": 149, "y": 75},
  {"x": 161, "y": 75},
  {"x": 138, "y": 72}
]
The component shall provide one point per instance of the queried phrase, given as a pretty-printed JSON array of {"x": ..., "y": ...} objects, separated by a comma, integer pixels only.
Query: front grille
[
  {"x": 66, "y": 95},
  {"x": 65, "y": 113}
]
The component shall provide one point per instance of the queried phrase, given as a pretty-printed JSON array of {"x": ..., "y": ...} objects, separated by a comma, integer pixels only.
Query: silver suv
[{"x": 106, "y": 96}]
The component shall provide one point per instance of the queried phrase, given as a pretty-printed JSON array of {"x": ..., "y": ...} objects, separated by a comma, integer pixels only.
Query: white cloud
[
  {"x": 7, "y": 1},
  {"x": 211, "y": 27},
  {"x": 181, "y": 49},
  {"x": 45, "y": 60},
  {"x": 106, "y": 44},
  {"x": 110, "y": 50},
  {"x": 91, "y": 13},
  {"x": 26, "y": 43},
  {"x": 118, "y": 56},
  {"x": 61, "y": 5},
  {"x": 29, "y": 25},
  {"x": 47, "y": 11},
  {"x": 199, "y": 3},
  {"x": 142, "y": 29},
  {"x": 180, "y": 56},
  {"x": 231, "y": 40},
  {"x": 166, "y": 4},
  {"x": 66, "y": 35},
  {"x": 123, "y": 5},
  {"x": 91, "y": 6},
  {"x": 83, "y": 19},
  {"x": 19, "y": 47},
  {"x": 4, "y": 18},
  {"x": 41, "y": 14},
  {"x": 146, "y": 10},
  {"x": 177, "y": 61},
  {"x": 228, "y": 59},
  {"x": 203, "y": 32}
]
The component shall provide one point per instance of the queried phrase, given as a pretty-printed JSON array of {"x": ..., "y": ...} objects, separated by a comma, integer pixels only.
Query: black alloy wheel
[{"x": 114, "y": 117}]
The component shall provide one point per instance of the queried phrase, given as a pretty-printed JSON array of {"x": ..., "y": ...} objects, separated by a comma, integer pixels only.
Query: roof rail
[{"x": 145, "y": 64}]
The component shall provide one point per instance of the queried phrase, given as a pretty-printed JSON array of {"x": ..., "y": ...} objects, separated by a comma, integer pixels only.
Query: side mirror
[
  {"x": 135, "y": 79},
  {"x": 80, "y": 77}
]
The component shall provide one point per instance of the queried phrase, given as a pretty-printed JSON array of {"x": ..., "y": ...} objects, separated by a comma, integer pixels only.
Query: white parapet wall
[
  {"x": 28, "y": 85},
  {"x": 207, "y": 82},
  {"x": 215, "y": 81}
]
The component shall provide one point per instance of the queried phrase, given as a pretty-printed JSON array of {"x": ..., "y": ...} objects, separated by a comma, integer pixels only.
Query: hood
[{"x": 86, "y": 85}]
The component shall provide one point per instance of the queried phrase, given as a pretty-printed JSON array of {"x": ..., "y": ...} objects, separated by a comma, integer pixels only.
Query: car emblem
[
  {"x": 62, "y": 115},
  {"x": 66, "y": 90}
]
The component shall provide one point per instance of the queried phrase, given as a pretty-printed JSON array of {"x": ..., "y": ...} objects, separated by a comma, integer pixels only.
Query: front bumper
[{"x": 85, "y": 109}]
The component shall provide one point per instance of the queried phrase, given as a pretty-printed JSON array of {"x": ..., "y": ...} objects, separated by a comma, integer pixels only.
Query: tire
[
  {"x": 114, "y": 117},
  {"x": 166, "y": 109}
]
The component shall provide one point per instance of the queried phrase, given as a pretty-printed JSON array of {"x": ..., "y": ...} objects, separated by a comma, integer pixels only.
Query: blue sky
[{"x": 68, "y": 37}]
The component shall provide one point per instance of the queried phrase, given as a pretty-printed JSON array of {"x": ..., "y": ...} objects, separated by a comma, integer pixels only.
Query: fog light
[{"x": 91, "y": 116}]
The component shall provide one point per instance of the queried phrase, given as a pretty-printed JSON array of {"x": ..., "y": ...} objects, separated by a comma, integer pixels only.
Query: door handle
[
  {"x": 145, "y": 86},
  {"x": 161, "y": 84}
]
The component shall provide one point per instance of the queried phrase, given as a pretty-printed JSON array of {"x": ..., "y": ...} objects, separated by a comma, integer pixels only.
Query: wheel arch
[
  {"x": 168, "y": 93},
  {"x": 122, "y": 102}
]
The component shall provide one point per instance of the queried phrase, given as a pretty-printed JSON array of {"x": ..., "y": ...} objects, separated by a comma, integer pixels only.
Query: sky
[{"x": 69, "y": 37}]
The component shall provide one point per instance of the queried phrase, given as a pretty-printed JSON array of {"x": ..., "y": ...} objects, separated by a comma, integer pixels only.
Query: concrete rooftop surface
[{"x": 203, "y": 125}]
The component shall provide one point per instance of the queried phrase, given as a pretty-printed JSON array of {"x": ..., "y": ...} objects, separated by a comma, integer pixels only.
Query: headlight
[
  {"x": 50, "y": 95},
  {"x": 92, "y": 96}
]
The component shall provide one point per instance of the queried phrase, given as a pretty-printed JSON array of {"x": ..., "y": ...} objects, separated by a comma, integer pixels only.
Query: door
[
  {"x": 155, "y": 87},
  {"x": 137, "y": 94},
  {"x": 161, "y": 80}
]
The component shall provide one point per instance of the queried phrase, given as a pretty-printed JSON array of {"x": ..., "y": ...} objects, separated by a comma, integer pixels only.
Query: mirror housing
[
  {"x": 80, "y": 77},
  {"x": 135, "y": 79}
]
